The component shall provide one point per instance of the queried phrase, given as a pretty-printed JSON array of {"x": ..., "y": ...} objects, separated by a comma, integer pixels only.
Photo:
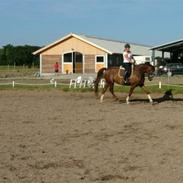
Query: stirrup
[{"x": 127, "y": 82}]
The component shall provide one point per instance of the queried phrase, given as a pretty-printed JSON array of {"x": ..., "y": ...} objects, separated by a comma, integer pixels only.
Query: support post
[
  {"x": 153, "y": 57},
  {"x": 163, "y": 55}
]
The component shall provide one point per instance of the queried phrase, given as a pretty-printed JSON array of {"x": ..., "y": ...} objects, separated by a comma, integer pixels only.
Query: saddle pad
[
  {"x": 121, "y": 72},
  {"x": 121, "y": 67}
]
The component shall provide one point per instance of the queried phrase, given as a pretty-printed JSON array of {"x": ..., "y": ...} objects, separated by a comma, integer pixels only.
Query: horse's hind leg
[
  {"x": 103, "y": 92},
  {"x": 130, "y": 93},
  {"x": 112, "y": 91}
]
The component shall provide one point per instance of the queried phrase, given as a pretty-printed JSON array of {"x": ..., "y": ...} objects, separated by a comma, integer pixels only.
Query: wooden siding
[
  {"x": 89, "y": 64},
  {"x": 99, "y": 66},
  {"x": 48, "y": 62},
  {"x": 73, "y": 44}
]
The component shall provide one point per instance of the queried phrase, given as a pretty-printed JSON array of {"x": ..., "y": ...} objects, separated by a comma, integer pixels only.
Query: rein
[{"x": 132, "y": 67}]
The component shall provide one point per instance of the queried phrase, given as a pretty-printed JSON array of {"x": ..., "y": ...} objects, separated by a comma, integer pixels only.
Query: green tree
[{"x": 19, "y": 55}]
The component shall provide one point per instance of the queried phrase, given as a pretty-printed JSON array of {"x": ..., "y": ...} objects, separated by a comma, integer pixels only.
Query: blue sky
[{"x": 39, "y": 22}]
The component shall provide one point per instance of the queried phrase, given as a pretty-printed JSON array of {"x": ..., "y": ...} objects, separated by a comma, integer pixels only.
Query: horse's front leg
[
  {"x": 130, "y": 93},
  {"x": 148, "y": 93}
]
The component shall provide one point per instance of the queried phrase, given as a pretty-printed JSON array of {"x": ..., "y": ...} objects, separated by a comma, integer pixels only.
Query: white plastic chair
[
  {"x": 52, "y": 80},
  {"x": 102, "y": 83},
  {"x": 90, "y": 82},
  {"x": 77, "y": 82}
]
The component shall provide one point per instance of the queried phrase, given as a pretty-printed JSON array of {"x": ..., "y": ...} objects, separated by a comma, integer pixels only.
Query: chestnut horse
[{"x": 115, "y": 75}]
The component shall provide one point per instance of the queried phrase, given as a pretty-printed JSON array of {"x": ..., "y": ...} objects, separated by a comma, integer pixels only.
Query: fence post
[
  {"x": 13, "y": 84},
  {"x": 159, "y": 84},
  {"x": 55, "y": 84}
]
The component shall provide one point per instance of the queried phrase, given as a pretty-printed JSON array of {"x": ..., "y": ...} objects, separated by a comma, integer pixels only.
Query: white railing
[{"x": 55, "y": 84}]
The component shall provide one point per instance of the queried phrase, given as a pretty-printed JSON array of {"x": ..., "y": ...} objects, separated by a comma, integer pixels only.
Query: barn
[{"x": 84, "y": 54}]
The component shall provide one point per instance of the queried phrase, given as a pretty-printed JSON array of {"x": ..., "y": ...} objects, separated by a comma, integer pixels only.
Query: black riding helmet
[{"x": 127, "y": 45}]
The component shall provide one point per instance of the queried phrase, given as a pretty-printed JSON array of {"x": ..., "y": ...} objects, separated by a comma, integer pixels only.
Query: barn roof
[
  {"x": 116, "y": 46},
  {"x": 170, "y": 46},
  {"x": 108, "y": 45}
]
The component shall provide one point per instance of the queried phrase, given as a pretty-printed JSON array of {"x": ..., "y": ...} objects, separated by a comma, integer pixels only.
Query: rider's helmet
[{"x": 127, "y": 45}]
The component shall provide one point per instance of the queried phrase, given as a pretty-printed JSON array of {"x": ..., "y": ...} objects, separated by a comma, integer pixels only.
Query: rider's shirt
[{"x": 127, "y": 57}]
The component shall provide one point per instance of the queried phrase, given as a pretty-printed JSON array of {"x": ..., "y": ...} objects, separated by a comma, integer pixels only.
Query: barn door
[
  {"x": 77, "y": 62},
  {"x": 67, "y": 63}
]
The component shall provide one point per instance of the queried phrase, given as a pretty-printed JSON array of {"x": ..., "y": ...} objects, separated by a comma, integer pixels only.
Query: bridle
[{"x": 150, "y": 76}]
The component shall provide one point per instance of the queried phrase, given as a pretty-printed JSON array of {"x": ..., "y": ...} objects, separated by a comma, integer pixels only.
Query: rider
[{"x": 127, "y": 61}]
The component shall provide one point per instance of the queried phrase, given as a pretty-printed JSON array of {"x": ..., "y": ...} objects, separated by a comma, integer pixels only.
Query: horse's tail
[{"x": 100, "y": 75}]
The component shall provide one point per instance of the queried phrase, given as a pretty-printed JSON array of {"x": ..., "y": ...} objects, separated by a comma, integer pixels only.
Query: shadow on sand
[{"x": 168, "y": 96}]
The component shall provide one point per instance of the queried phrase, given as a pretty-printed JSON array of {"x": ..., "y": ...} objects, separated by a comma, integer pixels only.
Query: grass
[
  {"x": 152, "y": 89},
  {"x": 17, "y": 68},
  {"x": 43, "y": 88},
  {"x": 11, "y": 67},
  {"x": 12, "y": 71},
  {"x": 124, "y": 89}
]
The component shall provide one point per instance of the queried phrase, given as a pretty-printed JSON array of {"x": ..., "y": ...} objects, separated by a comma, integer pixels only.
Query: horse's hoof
[
  {"x": 101, "y": 98},
  {"x": 152, "y": 102},
  {"x": 127, "y": 100}
]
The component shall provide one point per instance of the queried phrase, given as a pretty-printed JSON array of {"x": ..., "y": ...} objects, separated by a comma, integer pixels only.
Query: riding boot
[{"x": 126, "y": 78}]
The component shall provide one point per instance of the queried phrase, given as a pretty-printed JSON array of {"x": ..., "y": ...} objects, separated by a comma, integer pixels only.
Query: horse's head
[{"x": 149, "y": 70}]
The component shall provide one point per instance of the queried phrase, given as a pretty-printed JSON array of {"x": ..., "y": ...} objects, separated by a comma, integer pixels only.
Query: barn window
[
  {"x": 100, "y": 59},
  {"x": 68, "y": 57}
]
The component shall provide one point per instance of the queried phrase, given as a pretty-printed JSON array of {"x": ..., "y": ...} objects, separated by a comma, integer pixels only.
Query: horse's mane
[
  {"x": 143, "y": 64},
  {"x": 146, "y": 63}
]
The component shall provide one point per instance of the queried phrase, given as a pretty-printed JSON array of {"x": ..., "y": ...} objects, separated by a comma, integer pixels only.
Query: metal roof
[
  {"x": 115, "y": 46},
  {"x": 169, "y": 47},
  {"x": 108, "y": 45}
]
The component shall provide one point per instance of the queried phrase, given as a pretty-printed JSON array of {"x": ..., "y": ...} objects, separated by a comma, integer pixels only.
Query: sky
[{"x": 39, "y": 22}]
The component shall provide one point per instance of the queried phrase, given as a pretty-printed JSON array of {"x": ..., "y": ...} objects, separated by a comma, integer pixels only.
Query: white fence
[
  {"x": 13, "y": 83},
  {"x": 55, "y": 84}
]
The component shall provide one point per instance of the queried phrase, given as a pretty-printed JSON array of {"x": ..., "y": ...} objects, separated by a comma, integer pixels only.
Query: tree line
[{"x": 19, "y": 55}]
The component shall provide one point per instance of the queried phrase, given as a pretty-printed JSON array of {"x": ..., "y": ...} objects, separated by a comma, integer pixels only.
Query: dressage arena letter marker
[
  {"x": 55, "y": 84},
  {"x": 13, "y": 84},
  {"x": 159, "y": 84}
]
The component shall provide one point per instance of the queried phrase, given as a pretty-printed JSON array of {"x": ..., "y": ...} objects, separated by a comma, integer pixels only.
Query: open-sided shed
[{"x": 175, "y": 49}]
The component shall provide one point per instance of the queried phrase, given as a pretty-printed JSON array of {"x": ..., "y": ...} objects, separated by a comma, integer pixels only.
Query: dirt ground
[{"x": 57, "y": 137}]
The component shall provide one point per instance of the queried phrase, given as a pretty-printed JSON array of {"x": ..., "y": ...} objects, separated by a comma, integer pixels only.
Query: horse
[{"x": 116, "y": 75}]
